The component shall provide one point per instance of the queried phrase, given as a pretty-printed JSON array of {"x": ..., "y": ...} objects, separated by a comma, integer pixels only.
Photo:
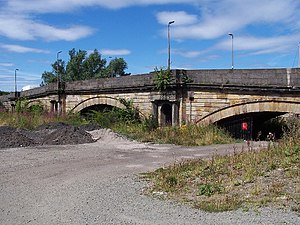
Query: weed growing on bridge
[
  {"x": 242, "y": 180},
  {"x": 162, "y": 78}
]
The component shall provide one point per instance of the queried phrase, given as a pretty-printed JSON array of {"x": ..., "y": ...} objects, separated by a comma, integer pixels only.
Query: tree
[
  {"x": 83, "y": 66},
  {"x": 117, "y": 67},
  {"x": 75, "y": 65},
  {"x": 93, "y": 66},
  {"x": 58, "y": 68}
]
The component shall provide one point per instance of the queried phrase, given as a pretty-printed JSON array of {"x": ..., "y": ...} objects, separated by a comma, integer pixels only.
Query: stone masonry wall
[{"x": 246, "y": 77}]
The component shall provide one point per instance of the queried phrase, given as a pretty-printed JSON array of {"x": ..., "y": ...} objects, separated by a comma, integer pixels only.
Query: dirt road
[{"x": 96, "y": 183}]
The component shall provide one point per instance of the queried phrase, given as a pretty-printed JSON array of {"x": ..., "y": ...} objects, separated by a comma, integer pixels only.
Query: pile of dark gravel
[
  {"x": 12, "y": 137},
  {"x": 68, "y": 135},
  {"x": 50, "y": 134}
]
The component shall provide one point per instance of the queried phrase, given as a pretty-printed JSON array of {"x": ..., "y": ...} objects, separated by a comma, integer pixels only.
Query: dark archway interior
[
  {"x": 252, "y": 126},
  {"x": 166, "y": 115},
  {"x": 99, "y": 108}
]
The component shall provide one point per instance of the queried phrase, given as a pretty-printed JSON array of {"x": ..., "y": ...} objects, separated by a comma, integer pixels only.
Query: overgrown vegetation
[
  {"x": 30, "y": 117},
  {"x": 191, "y": 135},
  {"x": 111, "y": 118},
  {"x": 243, "y": 180},
  {"x": 162, "y": 78}
]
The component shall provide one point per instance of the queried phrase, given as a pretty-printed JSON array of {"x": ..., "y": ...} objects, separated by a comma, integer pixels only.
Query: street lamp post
[
  {"x": 169, "y": 45},
  {"x": 232, "y": 61},
  {"x": 58, "y": 84},
  {"x": 16, "y": 91}
]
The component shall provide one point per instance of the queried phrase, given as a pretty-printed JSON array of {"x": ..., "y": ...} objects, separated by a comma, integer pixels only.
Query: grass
[
  {"x": 241, "y": 180},
  {"x": 31, "y": 120},
  {"x": 191, "y": 135}
]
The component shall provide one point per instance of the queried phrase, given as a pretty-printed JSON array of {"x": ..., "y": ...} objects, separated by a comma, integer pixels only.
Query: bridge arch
[
  {"x": 275, "y": 106},
  {"x": 98, "y": 100},
  {"x": 34, "y": 102}
]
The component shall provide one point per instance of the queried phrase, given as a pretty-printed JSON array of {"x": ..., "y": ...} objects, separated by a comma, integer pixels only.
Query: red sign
[{"x": 244, "y": 126}]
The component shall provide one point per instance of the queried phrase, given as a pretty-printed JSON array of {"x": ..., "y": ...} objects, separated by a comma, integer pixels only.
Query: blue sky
[{"x": 266, "y": 34}]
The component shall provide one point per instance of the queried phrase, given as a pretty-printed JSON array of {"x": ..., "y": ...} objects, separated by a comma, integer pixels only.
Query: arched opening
[
  {"x": 99, "y": 108},
  {"x": 97, "y": 103},
  {"x": 166, "y": 115},
  {"x": 252, "y": 126},
  {"x": 253, "y": 116}
]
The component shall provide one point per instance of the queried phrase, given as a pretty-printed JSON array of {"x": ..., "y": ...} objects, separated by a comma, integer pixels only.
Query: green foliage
[
  {"x": 130, "y": 114},
  {"x": 21, "y": 105},
  {"x": 58, "y": 67},
  {"x": 84, "y": 66},
  {"x": 93, "y": 66},
  {"x": 185, "y": 78},
  {"x": 109, "y": 118},
  {"x": 116, "y": 67},
  {"x": 148, "y": 131},
  {"x": 75, "y": 69},
  {"x": 150, "y": 123},
  {"x": 171, "y": 181},
  {"x": 209, "y": 189},
  {"x": 31, "y": 117},
  {"x": 162, "y": 79}
]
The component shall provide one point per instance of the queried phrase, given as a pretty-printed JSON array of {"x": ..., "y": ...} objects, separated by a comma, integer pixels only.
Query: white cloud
[
  {"x": 6, "y": 64},
  {"x": 261, "y": 45},
  {"x": 22, "y": 27},
  {"x": 45, "y": 6},
  {"x": 22, "y": 49},
  {"x": 113, "y": 52},
  {"x": 180, "y": 17},
  {"x": 217, "y": 18},
  {"x": 186, "y": 53}
]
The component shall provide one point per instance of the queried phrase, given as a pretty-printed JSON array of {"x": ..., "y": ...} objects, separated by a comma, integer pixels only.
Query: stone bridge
[{"x": 194, "y": 96}]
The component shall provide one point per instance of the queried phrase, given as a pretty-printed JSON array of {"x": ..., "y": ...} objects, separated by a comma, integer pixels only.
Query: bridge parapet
[
  {"x": 124, "y": 82},
  {"x": 247, "y": 77},
  {"x": 40, "y": 91}
]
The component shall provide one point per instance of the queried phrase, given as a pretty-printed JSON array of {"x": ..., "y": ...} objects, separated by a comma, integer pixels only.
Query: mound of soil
[
  {"x": 12, "y": 137},
  {"x": 68, "y": 135},
  {"x": 51, "y": 134}
]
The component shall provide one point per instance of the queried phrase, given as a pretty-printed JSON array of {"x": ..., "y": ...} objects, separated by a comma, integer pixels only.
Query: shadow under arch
[
  {"x": 166, "y": 115},
  {"x": 98, "y": 100},
  {"x": 276, "y": 106},
  {"x": 251, "y": 120},
  {"x": 34, "y": 102}
]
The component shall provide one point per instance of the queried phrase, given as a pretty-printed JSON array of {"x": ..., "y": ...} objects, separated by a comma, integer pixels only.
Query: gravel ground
[{"x": 97, "y": 183}]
